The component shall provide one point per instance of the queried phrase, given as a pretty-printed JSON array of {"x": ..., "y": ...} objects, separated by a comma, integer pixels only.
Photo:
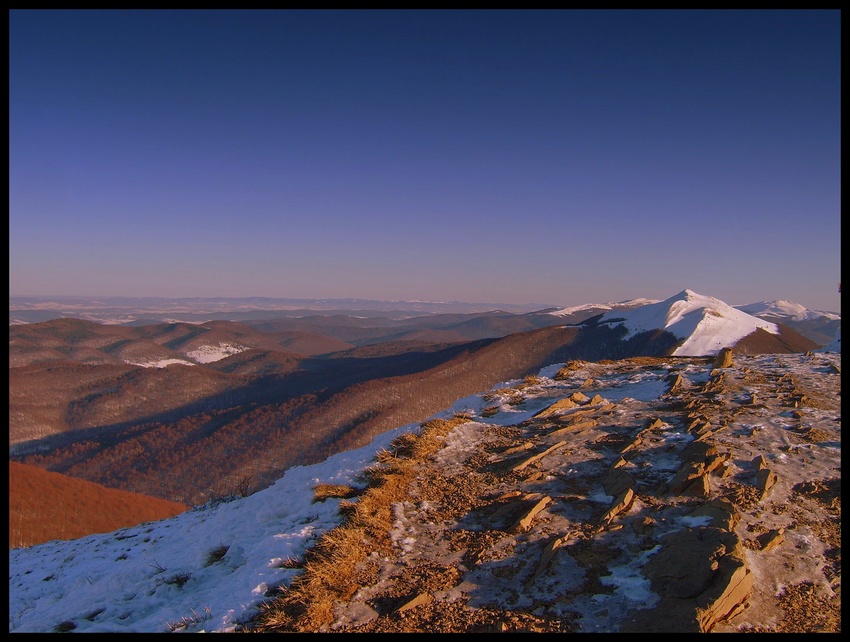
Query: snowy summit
[
  {"x": 707, "y": 324},
  {"x": 783, "y": 308}
]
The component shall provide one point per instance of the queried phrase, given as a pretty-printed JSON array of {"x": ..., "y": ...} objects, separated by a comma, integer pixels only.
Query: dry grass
[
  {"x": 322, "y": 492},
  {"x": 333, "y": 568}
]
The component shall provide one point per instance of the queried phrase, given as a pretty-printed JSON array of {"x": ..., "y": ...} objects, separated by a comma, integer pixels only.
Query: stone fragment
[
  {"x": 524, "y": 522},
  {"x": 562, "y": 404},
  {"x": 759, "y": 462},
  {"x": 617, "y": 481},
  {"x": 723, "y": 513},
  {"x": 715, "y": 462},
  {"x": 765, "y": 480},
  {"x": 655, "y": 423},
  {"x": 724, "y": 358},
  {"x": 675, "y": 382},
  {"x": 686, "y": 475},
  {"x": 621, "y": 504},
  {"x": 643, "y": 526},
  {"x": 596, "y": 400},
  {"x": 546, "y": 558},
  {"x": 771, "y": 539},
  {"x": 698, "y": 451},
  {"x": 700, "y": 487},
  {"x": 541, "y": 455},
  {"x": 419, "y": 600},
  {"x": 580, "y": 398}
]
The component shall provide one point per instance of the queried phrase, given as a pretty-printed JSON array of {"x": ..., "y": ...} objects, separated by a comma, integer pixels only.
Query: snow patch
[
  {"x": 160, "y": 363},
  {"x": 211, "y": 353}
]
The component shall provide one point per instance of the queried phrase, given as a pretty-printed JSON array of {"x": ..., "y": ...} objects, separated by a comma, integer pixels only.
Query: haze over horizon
[{"x": 562, "y": 157}]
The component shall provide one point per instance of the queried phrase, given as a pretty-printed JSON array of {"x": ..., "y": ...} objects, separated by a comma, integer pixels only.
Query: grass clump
[
  {"x": 216, "y": 554},
  {"x": 321, "y": 492},
  {"x": 334, "y": 567}
]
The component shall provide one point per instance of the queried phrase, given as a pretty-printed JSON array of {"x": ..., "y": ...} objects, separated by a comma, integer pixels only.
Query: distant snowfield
[
  {"x": 708, "y": 324},
  {"x": 203, "y": 354},
  {"x": 210, "y": 353},
  {"x": 563, "y": 312},
  {"x": 160, "y": 363}
]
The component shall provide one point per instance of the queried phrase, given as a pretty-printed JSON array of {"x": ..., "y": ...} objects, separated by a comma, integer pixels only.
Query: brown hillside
[
  {"x": 310, "y": 343},
  {"x": 53, "y": 398},
  {"x": 763, "y": 342},
  {"x": 44, "y": 506},
  {"x": 82, "y": 341}
]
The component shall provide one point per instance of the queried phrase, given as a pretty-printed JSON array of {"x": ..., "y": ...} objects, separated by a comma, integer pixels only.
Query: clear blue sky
[{"x": 560, "y": 157}]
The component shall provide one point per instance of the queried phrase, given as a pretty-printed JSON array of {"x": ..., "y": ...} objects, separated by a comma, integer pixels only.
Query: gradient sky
[{"x": 559, "y": 157}]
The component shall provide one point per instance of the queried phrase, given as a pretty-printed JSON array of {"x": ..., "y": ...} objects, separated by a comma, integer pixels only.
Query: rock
[
  {"x": 700, "y": 487},
  {"x": 596, "y": 400},
  {"x": 546, "y": 558},
  {"x": 765, "y": 480},
  {"x": 724, "y": 358},
  {"x": 676, "y": 382},
  {"x": 579, "y": 398},
  {"x": 723, "y": 513},
  {"x": 715, "y": 462},
  {"x": 643, "y": 526},
  {"x": 701, "y": 577},
  {"x": 562, "y": 404},
  {"x": 524, "y": 522},
  {"x": 541, "y": 455},
  {"x": 621, "y": 504},
  {"x": 771, "y": 539},
  {"x": 419, "y": 600},
  {"x": 698, "y": 451},
  {"x": 654, "y": 423},
  {"x": 685, "y": 476},
  {"x": 617, "y": 481},
  {"x": 759, "y": 462}
]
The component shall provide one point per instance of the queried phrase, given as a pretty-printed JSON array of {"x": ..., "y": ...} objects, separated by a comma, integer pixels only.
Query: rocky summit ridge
[{"x": 708, "y": 501}]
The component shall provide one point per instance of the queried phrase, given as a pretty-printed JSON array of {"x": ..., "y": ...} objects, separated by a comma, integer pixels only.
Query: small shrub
[
  {"x": 64, "y": 627},
  {"x": 179, "y": 579},
  {"x": 216, "y": 554},
  {"x": 490, "y": 411}
]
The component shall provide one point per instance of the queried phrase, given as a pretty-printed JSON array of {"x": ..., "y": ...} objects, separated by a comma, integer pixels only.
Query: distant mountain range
[{"x": 362, "y": 321}]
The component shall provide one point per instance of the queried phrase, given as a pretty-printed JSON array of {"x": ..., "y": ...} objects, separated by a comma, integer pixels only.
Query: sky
[
  {"x": 119, "y": 582},
  {"x": 539, "y": 156}
]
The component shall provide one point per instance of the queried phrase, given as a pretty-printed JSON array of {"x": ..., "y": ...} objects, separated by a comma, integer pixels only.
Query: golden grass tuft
[
  {"x": 333, "y": 568},
  {"x": 322, "y": 492}
]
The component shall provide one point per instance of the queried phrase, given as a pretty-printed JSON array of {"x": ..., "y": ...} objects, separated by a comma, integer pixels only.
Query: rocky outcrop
[{"x": 701, "y": 578}]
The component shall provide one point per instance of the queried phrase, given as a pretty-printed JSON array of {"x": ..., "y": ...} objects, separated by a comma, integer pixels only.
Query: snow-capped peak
[
  {"x": 782, "y": 308},
  {"x": 622, "y": 305},
  {"x": 707, "y": 324}
]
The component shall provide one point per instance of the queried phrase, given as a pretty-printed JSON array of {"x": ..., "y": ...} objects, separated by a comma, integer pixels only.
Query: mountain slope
[
  {"x": 684, "y": 497},
  {"x": 44, "y": 506},
  {"x": 817, "y": 325}
]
